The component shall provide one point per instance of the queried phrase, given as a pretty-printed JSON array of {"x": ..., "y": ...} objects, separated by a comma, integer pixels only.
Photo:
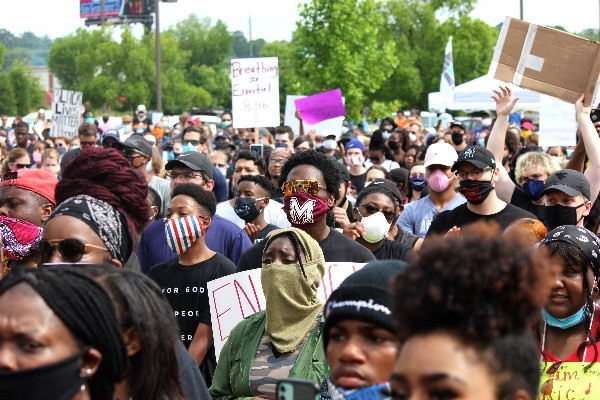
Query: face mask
[
  {"x": 557, "y": 159},
  {"x": 74, "y": 147},
  {"x": 457, "y": 138},
  {"x": 475, "y": 191},
  {"x": 223, "y": 171},
  {"x": 438, "y": 181},
  {"x": 172, "y": 155},
  {"x": 126, "y": 128},
  {"x": 386, "y": 135},
  {"x": 380, "y": 391},
  {"x": 245, "y": 208},
  {"x": 412, "y": 137},
  {"x": 564, "y": 323},
  {"x": 558, "y": 215},
  {"x": 61, "y": 150},
  {"x": 37, "y": 157},
  {"x": 189, "y": 147},
  {"x": 149, "y": 166},
  {"x": 418, "y": 183},
  {"x": 304, "y": 209},
  {"x": 367, "y": 183},
  {"x": 376, "y": 227},
  {"x": 533, "y": 189},
  {"x": 486, "y": 122},
  {"x": 569, "y": 152},
  {"x": 481, "y": 142},
  {"x": 393, "y": 145},
  {"x": 60, "y": 380},
  {"x": 355, "y": 160},
  {"x": 89, "y": 120},
  {"x": 183, "y": 232},
  {"x": 159, "y": 132}
]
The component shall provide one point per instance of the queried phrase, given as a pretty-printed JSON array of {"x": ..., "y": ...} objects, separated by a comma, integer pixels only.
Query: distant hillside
[{"x": 26, "y": 46}]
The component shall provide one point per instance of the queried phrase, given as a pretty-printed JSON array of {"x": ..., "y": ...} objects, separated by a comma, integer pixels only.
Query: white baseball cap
[
  {"x": 141, "y": 107},
  {"x": 440, "y": 154}
]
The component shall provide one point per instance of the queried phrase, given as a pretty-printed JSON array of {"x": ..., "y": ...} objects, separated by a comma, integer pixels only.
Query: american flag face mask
[{"x": 183, "y": 232}]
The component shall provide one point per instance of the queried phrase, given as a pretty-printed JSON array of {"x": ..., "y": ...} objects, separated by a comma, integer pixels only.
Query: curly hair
[
  {"x": 543, "y": 160},
  {"x": 261, "y": 181},
  {"x": 204, "y": 198},
  {"x": 106, "y": 175},
  {"x": 324, "y": 163},
  {"x": 484, "y": 290}
]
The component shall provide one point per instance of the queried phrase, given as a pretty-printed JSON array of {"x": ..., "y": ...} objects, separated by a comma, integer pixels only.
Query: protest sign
[
  {"x": 547, "y": 60},
  {"x": 255, "y": 92},
  {"x": 65, "y": 112},
  {"x": 234, "y": 297},
  {"x": 557, "y": 122},
  {"x": 570, "y": 381},
  {"x": 323, "y": 128},
  {"x": 322, "y": 106}
]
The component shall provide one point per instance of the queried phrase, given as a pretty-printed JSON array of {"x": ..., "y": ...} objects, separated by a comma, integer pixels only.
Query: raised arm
[
  {"x": 592, "y": 146},
  {"x": 505, "y": 103}
]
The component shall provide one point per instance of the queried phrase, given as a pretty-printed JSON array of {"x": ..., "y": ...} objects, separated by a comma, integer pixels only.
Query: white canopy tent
[{"x": 476, "y": 95}]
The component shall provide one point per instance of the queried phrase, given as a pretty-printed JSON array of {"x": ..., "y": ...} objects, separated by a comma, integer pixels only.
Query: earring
[{"x": 595, "y": 290}]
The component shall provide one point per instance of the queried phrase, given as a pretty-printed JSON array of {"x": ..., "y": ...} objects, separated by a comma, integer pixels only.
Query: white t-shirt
[
  {"x": 387, "y": 164},
  {"x": 273, "y": 214}
]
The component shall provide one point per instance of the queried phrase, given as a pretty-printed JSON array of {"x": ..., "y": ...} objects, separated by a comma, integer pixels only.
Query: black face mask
[
  {"x": 558, "y": 215},
  {"x": 393, "y": 145},
  {"x": 59, "y": 381},
  {"x": 475, "y": 191},
  {"x": 457, "y": 138}
]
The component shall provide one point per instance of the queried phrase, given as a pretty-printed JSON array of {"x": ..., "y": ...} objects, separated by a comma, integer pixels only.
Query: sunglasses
[
  {"x": 71, "y": 250},
  {"x": 192, "y": 142},
  {"x": 546, "y": 388},
  {"x": 132, "y": 153},
  {"x": 370, "y": 210},
  {"x": 87, "y": 144},
  {"x": 310, "y": 186}
]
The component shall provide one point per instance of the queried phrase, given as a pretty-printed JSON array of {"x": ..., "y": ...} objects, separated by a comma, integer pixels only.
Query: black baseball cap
[
  {"x": 343, "y": 171},
  {"x": 193, "y": 160},
  {"x": 389, "y": 185},
  {"x": 137, "y": 142},
  {"x": 476, "y": 155},
  {"x": 457, "y": 125},
  {"x": 568, "y": 181}
]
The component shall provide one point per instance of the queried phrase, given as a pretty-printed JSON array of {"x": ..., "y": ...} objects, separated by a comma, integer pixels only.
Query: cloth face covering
[
  {"x": 292, "y": 305},
  {"x": 533, "y": 189},
  {"x": 558, "y": 215},
  {"x": 355, "y": 160},
  {"x": 304, "y": 209},
  {"x": 19, "y": 237},
  {"x": 418, "y": 183},
  {"x": 183, "y": 232},
  {"x": 245, "y": 208},
  {"x": 475, "y": 191}
]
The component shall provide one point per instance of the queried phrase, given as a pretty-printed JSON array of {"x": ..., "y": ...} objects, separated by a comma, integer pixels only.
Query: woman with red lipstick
[
  {"x": 359, "y": 333},
  {"x": 570, "y": 330}
]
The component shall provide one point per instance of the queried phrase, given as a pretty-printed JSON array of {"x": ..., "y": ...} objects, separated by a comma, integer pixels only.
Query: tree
[
  {"x": 288, "y": 80},
  {"x": 26, "y": 88},
  {"x": 337, "y": 44}
]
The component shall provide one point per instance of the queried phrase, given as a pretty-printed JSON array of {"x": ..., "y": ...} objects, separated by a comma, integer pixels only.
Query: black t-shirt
[
  {"x": 185, "y": 288},
  {"x": 592, "y": 220},
  {"x": 336, "y": 247},
  {"x": 462, "y": 216},
  {"x": 520, "y": 199},
  {"x": 393, "y": 250},
  {"x": 406, "y": 238},
  {"x": 264, "y": 232},
  {"x": 358, "y": 181},
  {"x": 145, "y": 124}
]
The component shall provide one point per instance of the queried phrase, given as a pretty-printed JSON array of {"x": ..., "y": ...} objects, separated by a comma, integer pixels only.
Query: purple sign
[{"x": 322, "y": 106}]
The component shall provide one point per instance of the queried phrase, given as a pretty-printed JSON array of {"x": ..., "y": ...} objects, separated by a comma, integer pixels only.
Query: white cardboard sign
[
  {"x": 234, "y": 297},
  {"x": 65, "y": 112},
  {"x": 255, "y": 92},
  {"x": 557, "y": 122}
]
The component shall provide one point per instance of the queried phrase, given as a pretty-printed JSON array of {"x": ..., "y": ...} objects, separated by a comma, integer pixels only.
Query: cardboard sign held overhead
[{"x": 547, "y": 60}]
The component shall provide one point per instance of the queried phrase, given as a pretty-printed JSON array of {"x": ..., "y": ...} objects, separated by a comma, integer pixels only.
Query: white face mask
[
  {"x": 486, "y": 122},
  {"x": 376, "y": 227},
  {"x": 223, "y": 171}
]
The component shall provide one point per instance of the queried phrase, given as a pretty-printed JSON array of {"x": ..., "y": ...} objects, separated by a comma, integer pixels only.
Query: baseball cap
[
  {"x": 355, "y": 144},
  {"x": 34, "y": 180},
  {"x": 127, "y": 119},
  {"x": 329, "y": 144},
  {"x": 528, "y": 125},
  {"x": 454, "y": 124},
  {"x": 223, "y": 134},
  {"x": 193, "y": 160},
  {"x": 568, "y": 181},
  {"x": 224, "y": 145},
  {"x": 476, "y": 155},
  {"x": 141, "y": 107},
  {"x": 138, "y": 142},
  {"x": 113, "y": 133},
  {"x": 389, "y": 185},
  {"x": 440, "y": 154}
]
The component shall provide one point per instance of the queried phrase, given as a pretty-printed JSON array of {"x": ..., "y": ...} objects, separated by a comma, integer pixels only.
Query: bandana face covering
[
  {"x": 18, "y": 239},
  {"x": 304, "y": 209},
  {"x": 183, "y": 232},
  {"x": 59, "y": 381}
]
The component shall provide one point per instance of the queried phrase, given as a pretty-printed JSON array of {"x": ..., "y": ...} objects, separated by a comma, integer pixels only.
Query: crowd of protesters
[{"x": 478, "y": 255}]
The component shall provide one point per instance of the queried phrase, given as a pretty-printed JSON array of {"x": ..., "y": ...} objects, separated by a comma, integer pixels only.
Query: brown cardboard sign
[{"x": 546, "y": 60}]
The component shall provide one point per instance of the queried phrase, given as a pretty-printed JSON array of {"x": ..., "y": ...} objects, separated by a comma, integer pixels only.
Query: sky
[{"x": 276, "y": 19}]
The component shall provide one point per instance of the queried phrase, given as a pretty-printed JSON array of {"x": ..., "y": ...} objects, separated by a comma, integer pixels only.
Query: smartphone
[
  {"x": 257, "y": 148},
  {"x": 297, "y": 389},
  {"x": 595, "y": 115}
]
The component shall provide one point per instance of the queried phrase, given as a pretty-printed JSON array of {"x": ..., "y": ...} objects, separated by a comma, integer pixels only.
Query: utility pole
[
  {"x": 521, "y": 10},
  {"x": 102, "y": 13},
  {"x": 158, "y": 77},
  {"x": 250, "y": 34}
]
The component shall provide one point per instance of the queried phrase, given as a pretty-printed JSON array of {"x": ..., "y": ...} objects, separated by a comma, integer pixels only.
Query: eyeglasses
[
  {"x": 475, "y": 174},
  {"x": 370, "y": 210},
  {"x": 183, "y": 175},
  {"x": 546, "y": 388},
  {"x": 310, "y": 186},
  {"x": 274, "y": 161},
  {"x": 192, "y": 142},
  {"x": 71, "y": 250}
]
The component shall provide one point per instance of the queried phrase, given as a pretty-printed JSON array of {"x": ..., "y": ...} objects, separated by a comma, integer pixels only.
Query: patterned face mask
[
  {"x": 183, "y": 232},
  {"x": 19, "y": 239}
]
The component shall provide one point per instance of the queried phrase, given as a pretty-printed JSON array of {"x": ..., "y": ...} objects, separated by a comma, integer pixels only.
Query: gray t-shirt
[{"x": 417, "y": 216}]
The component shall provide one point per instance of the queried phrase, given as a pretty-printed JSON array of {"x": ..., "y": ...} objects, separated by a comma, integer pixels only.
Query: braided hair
[
  {"x": 86, "y": 310},
  {"x": 106, "y": 175}
]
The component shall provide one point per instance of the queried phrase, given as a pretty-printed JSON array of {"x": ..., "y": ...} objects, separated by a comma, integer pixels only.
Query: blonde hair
[
  {"x": 545, "y": 161},
  {"x": 50, "y": 153},
  {"x": 13, "y": 156}
]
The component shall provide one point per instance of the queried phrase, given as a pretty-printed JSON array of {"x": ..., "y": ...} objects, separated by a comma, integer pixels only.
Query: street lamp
[{"x": 158, "y": 67}]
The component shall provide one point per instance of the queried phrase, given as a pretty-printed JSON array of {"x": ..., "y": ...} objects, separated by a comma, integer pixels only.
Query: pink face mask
[
  {"x": 438, "y": 181},
  {"x": 355, "y": 160}
]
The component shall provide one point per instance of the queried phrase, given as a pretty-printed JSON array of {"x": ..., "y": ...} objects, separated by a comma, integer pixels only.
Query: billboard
[{"x": 91, "y": 8}]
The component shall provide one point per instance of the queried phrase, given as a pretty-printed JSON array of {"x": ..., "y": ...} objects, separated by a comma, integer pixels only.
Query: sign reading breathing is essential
[
  {"x": 255, "y": 92},
  {"x": 65, "y": 112}
]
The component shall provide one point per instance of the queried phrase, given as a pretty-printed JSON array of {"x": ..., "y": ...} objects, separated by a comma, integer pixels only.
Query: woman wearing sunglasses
[
  {"x": 570, "y": 330},
  {"x": 16, "y": 159},
  {"x": 102, "y": 205},
  {"x": 284, "y": 340}
]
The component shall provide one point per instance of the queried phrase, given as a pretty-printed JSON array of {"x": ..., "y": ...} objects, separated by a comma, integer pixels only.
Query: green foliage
[
  {"x": 337, "y": 44},
  {"x": 241, "y": 46},
  {"x": 8, "y": 102},
  {"x": 288, "y": 82},
  {"x": 27, "y": 47},
  {"x": 26, "y": 88}
]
